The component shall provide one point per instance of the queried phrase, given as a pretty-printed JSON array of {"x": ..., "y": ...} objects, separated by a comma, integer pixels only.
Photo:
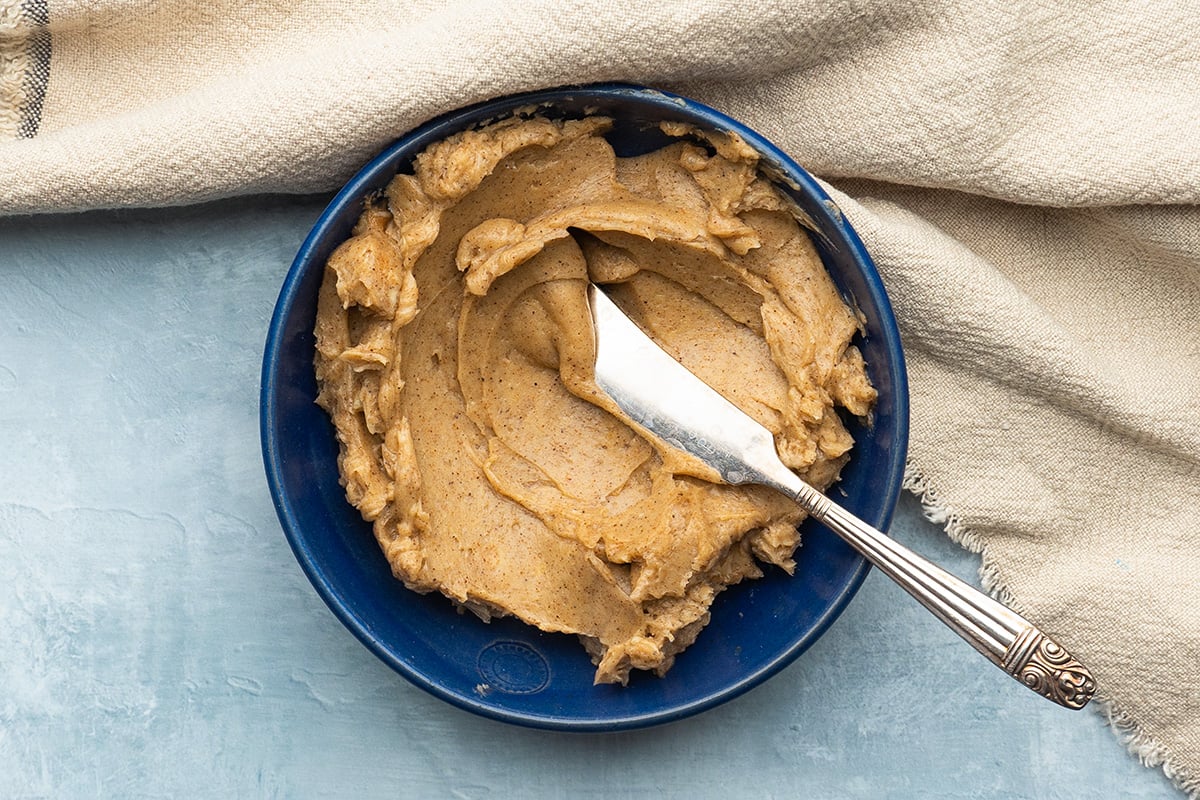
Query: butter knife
[{"x": 665, "y": 398}]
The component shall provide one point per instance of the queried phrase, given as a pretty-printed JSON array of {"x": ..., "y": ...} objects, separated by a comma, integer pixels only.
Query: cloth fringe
[
  {"x": 1148, "y": 750},
  {"x": 15, "y": 64},
  {"x": 24, "y": 66}
]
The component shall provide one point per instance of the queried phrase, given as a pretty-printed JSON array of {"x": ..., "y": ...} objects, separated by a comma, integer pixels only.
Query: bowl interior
[{"x": 505, "y": 669}]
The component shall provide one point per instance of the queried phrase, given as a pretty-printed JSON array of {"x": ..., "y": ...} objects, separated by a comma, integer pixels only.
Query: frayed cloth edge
[{"x": 1148, "y": 750}]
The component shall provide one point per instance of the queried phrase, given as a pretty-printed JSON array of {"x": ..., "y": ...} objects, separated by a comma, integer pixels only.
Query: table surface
[{"x": 159, "y": 640}]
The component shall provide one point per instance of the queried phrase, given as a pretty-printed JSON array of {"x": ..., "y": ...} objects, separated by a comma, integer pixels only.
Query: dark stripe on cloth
[{"x": 37, "y": 14}]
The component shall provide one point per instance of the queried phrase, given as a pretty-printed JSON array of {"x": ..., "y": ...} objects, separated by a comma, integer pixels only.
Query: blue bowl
[{"x": 508, "y": 670}]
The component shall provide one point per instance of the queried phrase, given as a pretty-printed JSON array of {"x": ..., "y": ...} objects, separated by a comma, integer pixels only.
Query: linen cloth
[{"x": 1026, "y": 175}]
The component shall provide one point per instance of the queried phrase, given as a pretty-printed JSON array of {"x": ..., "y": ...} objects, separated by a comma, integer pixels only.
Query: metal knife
[{"x": 665, "y": 398}]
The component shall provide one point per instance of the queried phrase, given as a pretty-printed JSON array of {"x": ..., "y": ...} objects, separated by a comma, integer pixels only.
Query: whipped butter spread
[{"x": 454, "y": 354}]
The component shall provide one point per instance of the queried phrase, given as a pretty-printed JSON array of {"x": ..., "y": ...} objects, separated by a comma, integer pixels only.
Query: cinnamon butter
[{"x": 454, "y": 357}]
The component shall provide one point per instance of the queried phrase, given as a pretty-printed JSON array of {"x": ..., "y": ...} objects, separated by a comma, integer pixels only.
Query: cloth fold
[{"x": 1025, "y": 174}]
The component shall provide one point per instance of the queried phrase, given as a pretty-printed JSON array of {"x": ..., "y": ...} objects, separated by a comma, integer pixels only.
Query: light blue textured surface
[{"x": 159, "y": 639}]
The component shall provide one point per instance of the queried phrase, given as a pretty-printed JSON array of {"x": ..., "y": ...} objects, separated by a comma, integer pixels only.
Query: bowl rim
[{"x": 359, "y": 186}]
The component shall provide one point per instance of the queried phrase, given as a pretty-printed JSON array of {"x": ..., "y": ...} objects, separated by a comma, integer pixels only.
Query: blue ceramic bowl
[{"x": 505, "y": 669}]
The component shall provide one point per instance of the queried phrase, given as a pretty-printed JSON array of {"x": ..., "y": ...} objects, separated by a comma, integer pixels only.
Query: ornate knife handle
[{"x": 1006, "y": 638}]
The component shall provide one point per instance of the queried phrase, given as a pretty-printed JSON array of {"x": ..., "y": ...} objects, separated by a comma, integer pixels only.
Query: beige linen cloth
[{"x": 1026, "y": 175}]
